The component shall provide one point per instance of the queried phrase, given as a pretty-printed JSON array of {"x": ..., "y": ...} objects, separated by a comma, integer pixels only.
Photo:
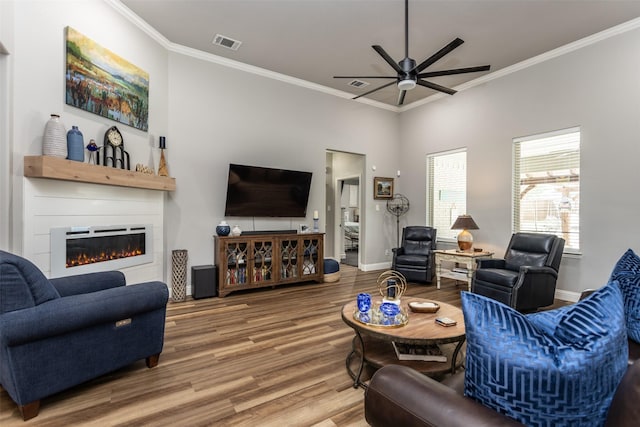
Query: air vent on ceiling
[
  {"x": 358, "y": 83},
  {"x": 225, "y": 41}
]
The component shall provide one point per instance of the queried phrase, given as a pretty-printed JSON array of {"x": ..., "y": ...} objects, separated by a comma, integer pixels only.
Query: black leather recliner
[
  {"x": 526, "y": 278},
  {"x": 414, "y": 258}
]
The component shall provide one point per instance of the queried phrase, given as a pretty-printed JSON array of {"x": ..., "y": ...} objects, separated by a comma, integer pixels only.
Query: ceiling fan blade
[
  {"x": 454, "y": 71},
  {"x": 401, "y": 97},
  {"x": 439, "y": 54},
  {"x": 373, "y": 90},
  {"x": 436, "y": 87},
  {"x": 365, "y": 77},
  {"x": 387, "y": 58}
]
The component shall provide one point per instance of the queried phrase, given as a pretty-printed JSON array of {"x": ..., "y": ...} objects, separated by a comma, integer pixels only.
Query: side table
[{"x": 467, "y": 259}]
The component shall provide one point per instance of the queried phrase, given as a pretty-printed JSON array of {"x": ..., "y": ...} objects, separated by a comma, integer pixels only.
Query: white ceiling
[{"x": 314, "y": 40}]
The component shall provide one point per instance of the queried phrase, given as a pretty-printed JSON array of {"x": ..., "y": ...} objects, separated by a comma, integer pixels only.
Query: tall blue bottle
[{"x": 75, "y": 145}]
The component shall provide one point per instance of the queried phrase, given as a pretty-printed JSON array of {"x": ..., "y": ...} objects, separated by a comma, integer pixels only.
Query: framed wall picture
[
  {"x": 102, "y": 83},
  {"x": 382, "y": 188}
]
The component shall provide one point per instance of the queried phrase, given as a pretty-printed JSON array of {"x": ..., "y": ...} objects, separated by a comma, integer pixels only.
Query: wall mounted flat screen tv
[{"x": 267, "y": 192}]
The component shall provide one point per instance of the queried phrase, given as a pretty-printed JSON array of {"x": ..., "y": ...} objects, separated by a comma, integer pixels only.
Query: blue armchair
[{"x": 55, "y": 334}]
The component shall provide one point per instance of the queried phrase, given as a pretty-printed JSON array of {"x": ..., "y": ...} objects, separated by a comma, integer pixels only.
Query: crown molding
[
  {"x": 230, "y": 63},
  {"x": 209, "y": 57}
]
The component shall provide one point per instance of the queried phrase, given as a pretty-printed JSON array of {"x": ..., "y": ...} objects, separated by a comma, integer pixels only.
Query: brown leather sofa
[{"x": 400, "y": 396}]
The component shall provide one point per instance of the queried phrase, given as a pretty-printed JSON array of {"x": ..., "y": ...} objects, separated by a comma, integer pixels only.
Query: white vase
[
  {"x": 54, "y": 141},
  {"x": 236, "y": 231}
]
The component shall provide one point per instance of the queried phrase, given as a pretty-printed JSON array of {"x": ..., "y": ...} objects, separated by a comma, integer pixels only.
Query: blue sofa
[{"x": 58, "y": 333}]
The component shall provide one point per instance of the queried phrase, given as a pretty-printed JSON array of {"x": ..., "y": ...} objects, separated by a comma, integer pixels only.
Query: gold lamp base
[{"x": 465, "y": 241}]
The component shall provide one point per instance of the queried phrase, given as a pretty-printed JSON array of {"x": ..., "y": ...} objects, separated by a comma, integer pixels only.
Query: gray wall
[{"x": 596, "y": 88}]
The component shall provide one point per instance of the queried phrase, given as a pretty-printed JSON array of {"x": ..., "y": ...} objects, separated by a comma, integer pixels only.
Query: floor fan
[{"x": 398, "y": 205}]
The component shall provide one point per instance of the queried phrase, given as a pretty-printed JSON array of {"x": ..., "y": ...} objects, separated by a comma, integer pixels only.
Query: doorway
[
  {"x": 350, "y": 220},
  {"x": 344, "y": 207}
]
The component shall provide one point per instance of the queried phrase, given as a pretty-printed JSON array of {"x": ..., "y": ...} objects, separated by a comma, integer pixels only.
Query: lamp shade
[{"x": 464, "y": 222}]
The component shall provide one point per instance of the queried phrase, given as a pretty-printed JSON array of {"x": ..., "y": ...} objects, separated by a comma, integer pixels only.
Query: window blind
[
  {"x": 546, "y": 185},
  {"x": 446, "y": 190}
]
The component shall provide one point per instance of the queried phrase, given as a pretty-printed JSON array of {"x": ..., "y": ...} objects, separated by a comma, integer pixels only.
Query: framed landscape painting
[
  {"x": 101, "y": 82},
  {"x": 382, "y": 188}
]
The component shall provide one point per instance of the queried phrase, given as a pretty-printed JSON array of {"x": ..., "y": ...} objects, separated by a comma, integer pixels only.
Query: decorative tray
[
  {"x": 424, "y": 307},
  {"x": 375, "y": 317}
]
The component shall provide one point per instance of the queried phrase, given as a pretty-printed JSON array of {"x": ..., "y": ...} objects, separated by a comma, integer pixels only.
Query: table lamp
[{"x": 465, "y": 239}]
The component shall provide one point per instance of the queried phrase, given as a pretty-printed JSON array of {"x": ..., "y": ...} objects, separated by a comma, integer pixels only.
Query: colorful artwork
[{"x": 101, "y": 82}]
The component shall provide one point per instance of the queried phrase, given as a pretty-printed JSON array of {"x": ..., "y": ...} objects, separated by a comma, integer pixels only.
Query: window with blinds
[
  {"x": 546, "y": 185},
  {"x": 446, "y": 191}
]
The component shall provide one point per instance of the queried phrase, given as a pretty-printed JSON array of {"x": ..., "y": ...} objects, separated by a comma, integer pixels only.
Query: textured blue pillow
[
  {"x": 627, "y": 273},
  {"x": 541, "y": 374}
]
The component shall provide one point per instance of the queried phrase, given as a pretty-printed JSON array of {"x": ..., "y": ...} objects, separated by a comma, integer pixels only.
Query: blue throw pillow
[
  {"x": 545, "y": 375},
  {"x": 627, "y": 273}
]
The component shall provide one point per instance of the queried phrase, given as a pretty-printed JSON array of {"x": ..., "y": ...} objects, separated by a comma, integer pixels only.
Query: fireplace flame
[{"x": 84, "y": 259}]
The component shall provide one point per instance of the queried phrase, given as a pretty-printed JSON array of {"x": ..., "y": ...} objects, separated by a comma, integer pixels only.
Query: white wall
[
  {"x": 37, "y": 67},
  {"x": 596, "y": 88},
  {"x": 6, "y": 79}
]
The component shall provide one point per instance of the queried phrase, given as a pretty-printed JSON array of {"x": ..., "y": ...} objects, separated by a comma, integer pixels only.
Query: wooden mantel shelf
[{"x": 68, "y": 170}]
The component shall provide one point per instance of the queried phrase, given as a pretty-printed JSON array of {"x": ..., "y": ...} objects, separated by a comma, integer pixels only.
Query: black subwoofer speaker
[{"x": 204, "y": 281}]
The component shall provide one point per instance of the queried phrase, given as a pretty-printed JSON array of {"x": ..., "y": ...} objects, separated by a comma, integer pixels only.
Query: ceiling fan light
[{"x": 406, "y": 84}]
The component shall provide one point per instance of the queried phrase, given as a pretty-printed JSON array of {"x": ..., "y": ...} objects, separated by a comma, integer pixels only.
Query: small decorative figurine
[{"x": 92, "y": 148}]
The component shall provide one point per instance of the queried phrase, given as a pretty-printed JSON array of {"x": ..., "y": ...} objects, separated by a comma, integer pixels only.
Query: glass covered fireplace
[{"x": 76, "y": 250}]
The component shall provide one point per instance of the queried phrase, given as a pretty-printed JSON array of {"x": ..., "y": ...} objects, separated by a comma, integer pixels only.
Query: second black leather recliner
[
  {"x": 526, "y": 278},
  {"x": 414, "y": 258}
]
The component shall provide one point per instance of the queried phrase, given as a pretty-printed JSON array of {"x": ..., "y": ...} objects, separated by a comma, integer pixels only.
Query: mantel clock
[{"x": 114, "y": 154}]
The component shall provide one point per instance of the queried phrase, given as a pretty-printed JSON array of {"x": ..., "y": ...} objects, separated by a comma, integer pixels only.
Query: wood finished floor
[{"x": 270, "y": 357}]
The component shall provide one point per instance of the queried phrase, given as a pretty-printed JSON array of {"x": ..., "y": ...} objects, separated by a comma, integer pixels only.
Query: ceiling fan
[{"x": 408, "y": 73}]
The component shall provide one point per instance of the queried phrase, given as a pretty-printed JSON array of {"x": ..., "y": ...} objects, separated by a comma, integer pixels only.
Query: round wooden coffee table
[{"x": 372, "y": 344}]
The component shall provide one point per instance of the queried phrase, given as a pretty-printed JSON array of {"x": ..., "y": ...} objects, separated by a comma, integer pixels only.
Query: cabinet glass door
[
  {"x": 261, "y": 265},
  {"x": 236, "y": 256},
  {"x": 310, "y": 256},
  {"x": 288, "y": 259}
]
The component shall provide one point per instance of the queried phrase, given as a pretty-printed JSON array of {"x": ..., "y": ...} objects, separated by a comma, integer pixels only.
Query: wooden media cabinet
[{"x": 252, "y": 261}]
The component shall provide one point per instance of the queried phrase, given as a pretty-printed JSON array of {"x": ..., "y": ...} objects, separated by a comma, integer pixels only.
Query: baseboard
[
  {"x": 378, "y": 266},
  {"x": 567, "y": 295}
]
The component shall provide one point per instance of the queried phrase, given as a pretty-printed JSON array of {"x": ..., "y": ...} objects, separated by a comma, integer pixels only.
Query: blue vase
[
  {"x": 75, "y": 145},
  {"x": 223, "y": 229}
]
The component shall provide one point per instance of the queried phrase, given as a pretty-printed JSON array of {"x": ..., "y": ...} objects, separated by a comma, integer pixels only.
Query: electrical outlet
[{"x": 386, "y": 252}]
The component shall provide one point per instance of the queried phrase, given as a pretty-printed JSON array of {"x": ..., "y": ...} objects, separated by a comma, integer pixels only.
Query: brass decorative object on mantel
[{"x": 162, "y": 168}]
